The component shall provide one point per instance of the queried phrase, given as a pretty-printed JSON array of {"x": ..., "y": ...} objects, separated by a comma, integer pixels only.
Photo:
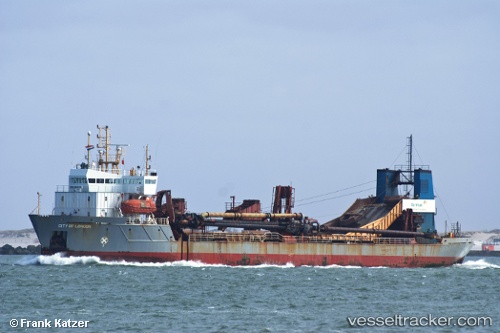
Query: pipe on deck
[
  {"x": 246, "y": 225},
  {"x": 239, "y": 216}
]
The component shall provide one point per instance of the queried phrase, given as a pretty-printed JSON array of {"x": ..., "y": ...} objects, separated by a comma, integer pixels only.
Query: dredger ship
[{"x": 118, "y": 214}]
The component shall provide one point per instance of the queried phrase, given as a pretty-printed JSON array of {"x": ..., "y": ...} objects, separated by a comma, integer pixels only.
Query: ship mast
[
  {"x": 104, "y": 142},
  {"x": 409, "y": 168},
  {"x": 408, "y": 173},
  {"x": 89, "y": 148},
  {"x": 410, "y": 158},
  {"x": 147, "y": 160},
  {"x": 38, "y": 206}
]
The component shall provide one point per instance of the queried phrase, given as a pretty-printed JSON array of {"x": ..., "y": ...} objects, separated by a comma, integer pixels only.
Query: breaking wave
[
  {"x": 58, "y": 260},
  {"x": 477, "y": 264}
]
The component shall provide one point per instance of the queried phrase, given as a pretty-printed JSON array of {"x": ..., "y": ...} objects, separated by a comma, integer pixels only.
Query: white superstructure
[{"x": 96, "y": 189}]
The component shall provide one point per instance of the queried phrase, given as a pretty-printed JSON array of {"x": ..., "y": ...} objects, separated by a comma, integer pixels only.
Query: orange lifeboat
[{"x": 138, "y": 206}]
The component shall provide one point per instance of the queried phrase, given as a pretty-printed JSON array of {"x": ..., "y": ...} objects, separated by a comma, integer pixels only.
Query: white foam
[
  {"x": 59, "y": 260},
  {"x": 337, "y": 266},
  {"x": 287, "y": 265},
  {"x": 477, "y": 264},
  {"x": 180, "y": 263}
]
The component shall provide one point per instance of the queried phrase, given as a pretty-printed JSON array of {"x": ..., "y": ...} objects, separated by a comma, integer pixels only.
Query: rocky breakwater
[{"x": 19, "y": 242}]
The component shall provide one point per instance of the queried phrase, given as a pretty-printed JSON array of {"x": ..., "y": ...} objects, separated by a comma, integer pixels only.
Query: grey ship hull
[{"x": 92, "y": 235}]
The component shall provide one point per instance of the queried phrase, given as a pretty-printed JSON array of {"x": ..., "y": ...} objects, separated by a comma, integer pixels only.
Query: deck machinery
[
  {"x": 116, "y": 214},
  {"x": 387, "y": 214}
]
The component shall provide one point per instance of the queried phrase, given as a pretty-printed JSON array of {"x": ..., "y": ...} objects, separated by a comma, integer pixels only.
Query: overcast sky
[{"x": 235, "y": 97}]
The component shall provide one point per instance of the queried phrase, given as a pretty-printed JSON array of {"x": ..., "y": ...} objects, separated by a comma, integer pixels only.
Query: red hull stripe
[{"x": 276, "y": 259}]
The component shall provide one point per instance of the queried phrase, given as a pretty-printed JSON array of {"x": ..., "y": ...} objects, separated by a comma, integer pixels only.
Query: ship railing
[
  {"x": 64, "y": 188},
  {"x": 276, "y": 237},
  {"x": 111, "y": 188},
  {"x": 116, "y": 171},
  {"x": 229, "y": 237},
  {"x": 272, "y": 237},
  {"x": 87, "y": 211},
  {"x": 404, "y": 168},
  {"x": 393, "y": 240},
  {"x": 162, "y": 220}
]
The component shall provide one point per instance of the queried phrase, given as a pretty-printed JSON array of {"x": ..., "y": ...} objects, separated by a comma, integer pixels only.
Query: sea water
[{"x": 41, "y": 293}]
